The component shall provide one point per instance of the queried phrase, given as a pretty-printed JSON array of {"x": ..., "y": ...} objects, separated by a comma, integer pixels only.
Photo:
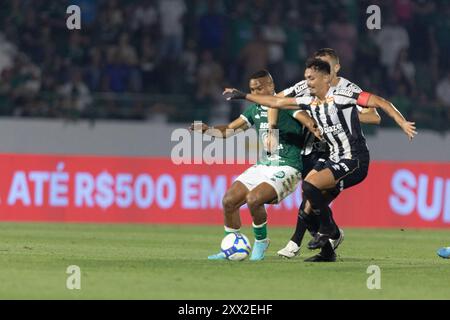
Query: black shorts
[
  {"x": 309, "y": 161},
  {"x": 348, "y": 172}
]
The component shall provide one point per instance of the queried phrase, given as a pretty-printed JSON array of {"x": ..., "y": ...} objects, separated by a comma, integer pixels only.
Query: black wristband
[{"x": 235, "y": 95}]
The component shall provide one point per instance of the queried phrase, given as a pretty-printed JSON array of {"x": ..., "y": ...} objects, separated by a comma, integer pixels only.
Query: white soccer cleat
[
  {"x": 336, "y": 242},
  {"x": 290, "y": 251}
]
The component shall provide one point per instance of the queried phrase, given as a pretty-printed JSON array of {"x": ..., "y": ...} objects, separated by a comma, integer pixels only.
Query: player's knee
[
  {"x": 253, "y": 200},
  {"x": 229, "y": 203},
  {"x": 311, "y": 192}
]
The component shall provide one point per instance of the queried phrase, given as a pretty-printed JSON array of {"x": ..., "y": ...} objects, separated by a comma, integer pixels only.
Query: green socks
[
  {"x": 231, "y": 230},
  {"x": 260, "y": 231}
]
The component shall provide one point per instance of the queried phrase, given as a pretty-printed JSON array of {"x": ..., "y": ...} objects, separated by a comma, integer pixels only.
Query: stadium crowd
[{"x": 169, "y": 59}]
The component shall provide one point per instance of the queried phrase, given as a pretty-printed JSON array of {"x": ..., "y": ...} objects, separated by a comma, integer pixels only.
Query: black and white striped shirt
[
  {"x": 301, "y": 89},
  {"x": 338, "y": 121}
]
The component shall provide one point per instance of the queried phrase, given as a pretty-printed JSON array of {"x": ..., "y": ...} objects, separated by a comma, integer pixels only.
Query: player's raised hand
[
  {"x": 409, "y": 128},
  {"x": 233, "y": 94}
]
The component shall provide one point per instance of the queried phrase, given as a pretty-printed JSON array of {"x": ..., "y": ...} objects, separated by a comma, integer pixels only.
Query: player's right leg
[
  {"x": 277, "y": 182},
  {"x": 233, "y": 199},
  {"x": 256, "y": 199}
]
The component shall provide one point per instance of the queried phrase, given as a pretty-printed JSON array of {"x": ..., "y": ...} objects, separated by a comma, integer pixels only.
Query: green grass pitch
[{"x": 169, "y": 262}]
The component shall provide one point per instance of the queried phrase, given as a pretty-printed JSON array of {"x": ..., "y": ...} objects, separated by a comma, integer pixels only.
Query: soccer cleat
[
  {"x": 290, "y": 251},
  {"x": 318, "y": 241},
  {"x": 218, "y": 256},
  {"x": 322, "y": 258},
  {"x": 259, "y": 249},
  {"x": 444, "y": 253},
  {"x": 336, "y": 242}
]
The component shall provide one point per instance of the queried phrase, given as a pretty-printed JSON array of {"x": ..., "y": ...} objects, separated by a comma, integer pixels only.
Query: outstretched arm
[
  {"x": 375, "y": 101},
  {"x": 222, "y": 131},
  {"x": 270, "y": 101},
  {"x": 304, "y": 118}
]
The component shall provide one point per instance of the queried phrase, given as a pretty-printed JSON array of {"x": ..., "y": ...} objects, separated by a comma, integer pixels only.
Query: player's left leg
[
  {"x": 341, "y": 175},
  {"x": 313, "y": 188},
  {"x": 262, "y": 194}
]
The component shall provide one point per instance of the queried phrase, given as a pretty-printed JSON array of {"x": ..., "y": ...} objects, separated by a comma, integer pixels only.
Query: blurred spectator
[
  {"x": 157, "y": 48},
  {"x": 443, "y": 90},
  {"x": 404, "y": 11},
  {"x": 424, "y": 18},
  {"x": 117, "y": 74},
  {"x": 406, "y": 68},
  {"x": 209, "y": 85},
  {"x": 295, "y": 50},
  {"x": 7, "y": 53},
  {"x": 145, "y": 16},
  {"x": 441, "y": 32},
  {"x": 171, "y": 13},
  {"x": 75, "y": 95},
  {"x": 391, "y": 39},
  {"x": 89, "y": 9},
  {"x": 254, "y": 56},
  {"x": 209, "y": 78},
  {"x": 148, "y": 61},
  {"x": 189, "y": 60},
  {"x": 240, "y": 29},
  {"x": 275, "y": 37},
  {"x": 94, "y": 69},
  {"x": 75, "y": 50},
  {"x": 343, "y": 37},
  {"x": 212, "y": 29}
]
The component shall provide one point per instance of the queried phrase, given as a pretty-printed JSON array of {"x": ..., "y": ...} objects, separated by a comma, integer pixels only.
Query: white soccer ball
[{"x": 235, "y": 246}]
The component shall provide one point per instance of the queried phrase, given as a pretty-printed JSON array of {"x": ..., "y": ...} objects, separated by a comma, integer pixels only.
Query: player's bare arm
[
  {"x": 266, "y": 100},
  {"x": 222, "y": 131},
  {"x": 309, "y": 123},
  {"x": 369, "y": 116},
  {"x": 374, "y": 101}
]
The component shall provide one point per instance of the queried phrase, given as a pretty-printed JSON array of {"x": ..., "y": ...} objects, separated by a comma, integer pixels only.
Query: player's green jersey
[{"x": 290, "y": 135}]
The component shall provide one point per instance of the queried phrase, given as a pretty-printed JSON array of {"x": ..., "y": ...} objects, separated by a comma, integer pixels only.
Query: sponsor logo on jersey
[
  {"x": 335, "y": 129},
  {"x": 332, "y": 110},
  {"x": 280, "y": 174},
  {"x": 344, "y": 92},
  {"x": 300, "y": 88}
]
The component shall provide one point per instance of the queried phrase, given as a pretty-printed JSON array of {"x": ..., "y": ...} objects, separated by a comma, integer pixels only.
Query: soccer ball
[{"x": 235, "y": 246}]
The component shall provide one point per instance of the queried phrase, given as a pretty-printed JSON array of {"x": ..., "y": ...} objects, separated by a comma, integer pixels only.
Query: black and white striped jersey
[
  {"x": 300, "y": 89},
  {"x": 338, "y": 120}
]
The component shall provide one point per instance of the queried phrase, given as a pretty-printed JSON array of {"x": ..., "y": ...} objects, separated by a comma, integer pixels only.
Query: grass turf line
[{"x": 169, "y": 262}]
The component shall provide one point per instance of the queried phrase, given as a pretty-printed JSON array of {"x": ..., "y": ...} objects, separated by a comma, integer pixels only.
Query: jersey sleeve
[
  {"x": 303, "y": 102},
  {"x": 351, "y": 97},
  {"x": 247, "y": 115},
  {"x": 299, "y": 89}
]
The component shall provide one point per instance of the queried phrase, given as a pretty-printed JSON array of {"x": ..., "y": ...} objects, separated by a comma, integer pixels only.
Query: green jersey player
[{"x": 272, "y": 178}]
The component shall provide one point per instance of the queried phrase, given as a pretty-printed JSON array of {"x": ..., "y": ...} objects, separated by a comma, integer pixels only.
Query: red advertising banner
[{"x": 154, "y": 190}]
